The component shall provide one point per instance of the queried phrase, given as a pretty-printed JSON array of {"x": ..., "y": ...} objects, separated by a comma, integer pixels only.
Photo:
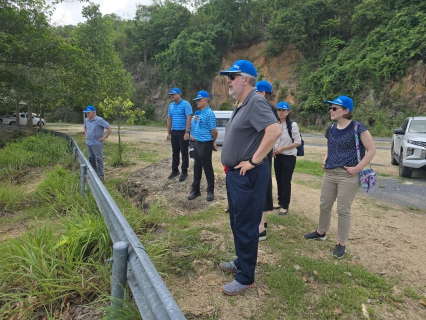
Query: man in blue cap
[
  {"x": 178, "y": 125},
  {"x": 205, "y": 135},
  {"x": 250, "y": 134},
  {"x": 94, "y": 131}
]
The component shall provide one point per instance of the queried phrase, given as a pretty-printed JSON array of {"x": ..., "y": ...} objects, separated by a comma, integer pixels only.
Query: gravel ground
[{"x": 409, "y": 193}]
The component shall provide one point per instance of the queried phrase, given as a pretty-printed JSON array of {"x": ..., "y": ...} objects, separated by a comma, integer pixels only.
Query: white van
[{"x": 222, "y": 118}]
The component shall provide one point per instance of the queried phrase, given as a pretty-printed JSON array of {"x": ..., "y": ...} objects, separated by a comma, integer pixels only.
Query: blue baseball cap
[
  {"x": 283, "y": 105},
  {"x": 263, "y": 86},
  {"x": 201, "y": 94},
  {"x": 89, "y": 109},
  {"x": 197, "y": 113},
  {"x": 343, "y": 101},
  {"x": 174, "y": 90},
  {"x": 241, "y": 66}
]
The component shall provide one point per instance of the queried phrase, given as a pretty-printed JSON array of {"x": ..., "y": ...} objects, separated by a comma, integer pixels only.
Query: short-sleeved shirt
[
  {"x": 178, "y": 112},
  {"x": 342, "y": 146},
  {"x": 95, "y": 130},
  {"x": 246, "y": 129},
  {"x": 204, "y": 126},
  {"x": 192, "y": 130}
]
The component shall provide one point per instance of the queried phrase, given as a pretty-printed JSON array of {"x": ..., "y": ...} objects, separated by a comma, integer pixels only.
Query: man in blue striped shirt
[
  {"x": 178, "y": 124},
  {"x": 205, "y": 135}
]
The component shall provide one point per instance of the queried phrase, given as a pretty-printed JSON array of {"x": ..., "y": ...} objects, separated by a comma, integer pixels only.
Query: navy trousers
[{"x": 246, "y": 199}]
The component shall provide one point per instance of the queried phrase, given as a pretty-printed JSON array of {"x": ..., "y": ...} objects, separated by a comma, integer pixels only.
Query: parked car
[
  {"x": 22, "y": 119},
  {"x": 409, "y": 146},
  {"x": 222, "y": 118}
]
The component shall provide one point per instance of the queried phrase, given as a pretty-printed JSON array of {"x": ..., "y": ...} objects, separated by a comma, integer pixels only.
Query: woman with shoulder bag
[
  {"x": 341, "y": 171},
  {"x": 285, "y": 154}
]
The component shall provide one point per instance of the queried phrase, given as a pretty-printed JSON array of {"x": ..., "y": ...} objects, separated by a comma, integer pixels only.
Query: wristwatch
[
  {"x": 106, "y": 137},
  {"x": 252, "y": 163},
  {"x": 186, "y": 131}
]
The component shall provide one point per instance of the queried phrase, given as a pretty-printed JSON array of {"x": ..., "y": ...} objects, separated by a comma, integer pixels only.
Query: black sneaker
[
  {"x": 262, "y": 235},
  {"x": 194, "y": 194},
  {"x": 173, "y": 174},
  {"x": 339, "y": 251},
  {"x": 315, "y": 236},
  {"x": 210, "y": 196},
  {"x": 265, "y": 225},
  {"x": 183, "y": 176}
]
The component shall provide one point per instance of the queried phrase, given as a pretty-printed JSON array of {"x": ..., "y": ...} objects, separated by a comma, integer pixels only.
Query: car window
[
  {"x": 417, "y": 126},
  {"x": 404, "y": 124},
  {"x": 221, "y": 122}
]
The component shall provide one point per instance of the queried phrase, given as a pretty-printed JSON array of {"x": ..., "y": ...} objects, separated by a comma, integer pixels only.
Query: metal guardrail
[{"x": 150, "y": 293}]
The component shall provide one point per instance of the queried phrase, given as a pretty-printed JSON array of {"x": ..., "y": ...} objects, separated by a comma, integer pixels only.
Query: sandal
[{"x": 282, "y": 212}]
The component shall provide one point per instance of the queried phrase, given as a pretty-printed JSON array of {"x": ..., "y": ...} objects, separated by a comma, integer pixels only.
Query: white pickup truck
[{"x": 22, "y": 120}]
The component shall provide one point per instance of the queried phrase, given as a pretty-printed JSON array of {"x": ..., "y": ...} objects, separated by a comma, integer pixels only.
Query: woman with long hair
[
  {"x": 264, "y": 88},
  {"x": 285, "y": 154}
]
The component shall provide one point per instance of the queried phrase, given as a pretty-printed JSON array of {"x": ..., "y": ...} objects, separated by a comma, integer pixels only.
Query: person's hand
[
  {"x": 244, "y": 166},
  {"x": 168, "y": 136},
  {"x": 351, "y": 171},
  {"x": 186, "y": 136},
  {"x": 101, "y": 139},
  {"x": 276, "y": 151},
  {"x": 215, "y": 148}
]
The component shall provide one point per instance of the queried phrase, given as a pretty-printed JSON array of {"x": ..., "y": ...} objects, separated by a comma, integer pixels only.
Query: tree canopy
[{"x": 347, "y": 47}]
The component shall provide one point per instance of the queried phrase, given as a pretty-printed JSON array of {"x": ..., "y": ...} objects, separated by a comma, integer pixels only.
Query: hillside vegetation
[{"x": 360, "y": 48}]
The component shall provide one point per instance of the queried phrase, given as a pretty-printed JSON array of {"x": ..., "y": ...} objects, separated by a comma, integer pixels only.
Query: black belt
[{"x": 203, "y": 141}]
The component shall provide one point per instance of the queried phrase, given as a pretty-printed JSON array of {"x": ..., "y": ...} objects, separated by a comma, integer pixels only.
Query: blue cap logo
[
  {"x": 283, "y": 105},
  {"x": 197, "y": 113},
  {"x": 343, "y": 101},
  {"x": 244, "y": 66},
  {"x": 201, "y": 94}
]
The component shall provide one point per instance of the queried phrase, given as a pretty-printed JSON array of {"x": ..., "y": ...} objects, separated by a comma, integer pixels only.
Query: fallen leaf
[
  {"x": 315, "y": 272},
  {"x": 337, "y": 311},
  {"x": 304, "y": 279},
  {"x": 321, "y": 256},
  {"x": 212, "y": 283},
  {"x": 353, "y": 262},
  {"x": 422, "y": 302},
  {"x": 364, "y": 311},
  {"x": 297, "y": 267}
]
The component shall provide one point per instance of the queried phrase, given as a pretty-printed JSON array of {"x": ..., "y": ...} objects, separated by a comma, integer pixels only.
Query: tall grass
[
  {"x": 10, "y": 195},
  {"x": 33, "y": 151}
]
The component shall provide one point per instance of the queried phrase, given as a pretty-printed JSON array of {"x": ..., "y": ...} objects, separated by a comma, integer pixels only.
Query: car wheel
[
  {"x": 393, "y": 160},
  {"x": 12, "y": 123},
  {"x": 38, "y": 124},
  {"x": 404, "y": 171}
]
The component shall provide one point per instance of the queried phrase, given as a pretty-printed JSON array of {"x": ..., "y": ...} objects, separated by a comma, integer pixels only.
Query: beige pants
[{"x": 336, "y": 185}]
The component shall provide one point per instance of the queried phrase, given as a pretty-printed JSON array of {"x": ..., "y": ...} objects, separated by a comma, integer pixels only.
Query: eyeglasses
[
  {"x": 333, "y": 108},
  {"x": 232, "y": 76}
]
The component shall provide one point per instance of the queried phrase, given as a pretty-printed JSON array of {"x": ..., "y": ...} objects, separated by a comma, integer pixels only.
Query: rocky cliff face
[{"x": 279, "y": 71}]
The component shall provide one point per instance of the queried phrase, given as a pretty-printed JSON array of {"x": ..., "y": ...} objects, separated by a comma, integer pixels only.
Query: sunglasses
[
  {"x": 333, "y": 108},
  {"x": 232, "y": 76}
]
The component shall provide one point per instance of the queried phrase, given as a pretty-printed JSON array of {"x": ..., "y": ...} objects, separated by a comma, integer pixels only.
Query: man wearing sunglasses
[
  {"x": 250, "y": 134},
  {"x": 178, "y": 125}
]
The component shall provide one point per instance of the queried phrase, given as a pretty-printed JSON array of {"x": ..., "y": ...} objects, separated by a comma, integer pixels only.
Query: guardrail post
[
  {"x": 119, "y": 273},
  {"x": 83, "y": 180},
  {"x": 74, "y": 153}
]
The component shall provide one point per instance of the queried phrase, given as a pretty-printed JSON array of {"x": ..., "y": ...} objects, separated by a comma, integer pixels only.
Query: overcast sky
[{"x": 69, "y": 12}]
